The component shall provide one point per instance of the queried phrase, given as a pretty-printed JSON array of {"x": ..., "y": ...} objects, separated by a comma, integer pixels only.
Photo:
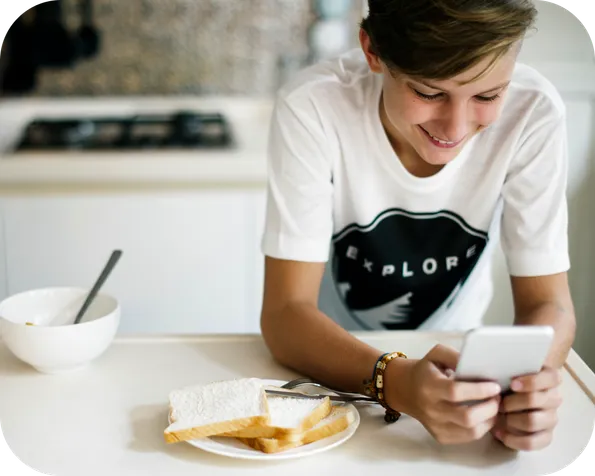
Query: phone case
[{"x": 502, "y": 353}]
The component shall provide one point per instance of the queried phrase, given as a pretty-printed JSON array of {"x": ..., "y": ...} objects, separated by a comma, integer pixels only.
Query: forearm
[
  {"x": 303, "y": 338},
  {"x": 564, "y": 324}
]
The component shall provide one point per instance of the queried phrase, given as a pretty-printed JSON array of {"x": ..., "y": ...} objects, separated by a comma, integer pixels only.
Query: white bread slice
[
  {"x": 289, "y": 418},
  {"x": 205, "y": 410},
  {"x": 339, "y": 420}
]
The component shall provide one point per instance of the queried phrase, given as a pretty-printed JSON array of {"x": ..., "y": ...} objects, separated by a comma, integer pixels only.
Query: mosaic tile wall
[{"x": 188, "y": 47}]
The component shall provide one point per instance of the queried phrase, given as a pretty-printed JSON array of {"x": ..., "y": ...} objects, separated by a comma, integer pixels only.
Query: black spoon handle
[{"x": 115, "y": 256}]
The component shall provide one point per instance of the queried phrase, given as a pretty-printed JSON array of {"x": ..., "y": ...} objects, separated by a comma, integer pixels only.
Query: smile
[{"x": 439, "y": 142}]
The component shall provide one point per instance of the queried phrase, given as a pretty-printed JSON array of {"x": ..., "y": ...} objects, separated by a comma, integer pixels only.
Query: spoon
[{"x": 111, "y": 263}]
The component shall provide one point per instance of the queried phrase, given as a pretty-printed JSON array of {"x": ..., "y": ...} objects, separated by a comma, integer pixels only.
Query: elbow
[
  {"x": 266, "y": 328},
  {"x": 276, "y": 330},
  {"x": 566, "y": 318},
  {"x": 571, "y": 324},
  {"x": 272, "y": 336}
]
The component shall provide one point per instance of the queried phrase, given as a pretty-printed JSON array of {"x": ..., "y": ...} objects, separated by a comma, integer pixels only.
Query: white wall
[
  {"x": 563, "y": 51},
  {"x": 560, "y": 36}
]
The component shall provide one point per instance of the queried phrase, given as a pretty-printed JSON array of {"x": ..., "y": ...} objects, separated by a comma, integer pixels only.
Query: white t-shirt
[{"x": 405, "y": 252}]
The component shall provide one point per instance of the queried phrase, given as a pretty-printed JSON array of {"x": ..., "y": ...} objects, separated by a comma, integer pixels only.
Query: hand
[
  {"x": 529, "y": 415},
  {"x": 428, "y": 392}
]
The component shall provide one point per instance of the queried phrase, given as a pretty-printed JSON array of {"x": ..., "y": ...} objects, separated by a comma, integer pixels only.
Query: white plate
[{"x": 236, "y": 449}]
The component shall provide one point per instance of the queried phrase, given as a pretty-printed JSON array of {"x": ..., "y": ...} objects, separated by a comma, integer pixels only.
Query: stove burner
[{"x": 182, "y": 130}]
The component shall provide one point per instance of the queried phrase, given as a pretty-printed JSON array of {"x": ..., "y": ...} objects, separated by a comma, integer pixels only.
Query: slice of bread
[
  {"x": 219, "y": 407},
  {"x": 270, "y": 445},
  {"x": 289, "y": 418},
  {"x": 339, "y": 420}
]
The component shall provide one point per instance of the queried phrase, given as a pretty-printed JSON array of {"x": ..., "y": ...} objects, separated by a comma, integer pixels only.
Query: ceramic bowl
[{"x": 38, "y": 327}]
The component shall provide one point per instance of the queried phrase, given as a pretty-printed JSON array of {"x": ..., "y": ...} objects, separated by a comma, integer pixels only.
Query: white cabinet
[
  {"x": 256, "y": 211},
  {"x": 3, "y": 283},
  {"x": 190, "y": 258}
]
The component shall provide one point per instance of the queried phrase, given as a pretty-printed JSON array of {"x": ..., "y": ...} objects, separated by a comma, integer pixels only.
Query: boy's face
[{"x": 433, "y": 120}]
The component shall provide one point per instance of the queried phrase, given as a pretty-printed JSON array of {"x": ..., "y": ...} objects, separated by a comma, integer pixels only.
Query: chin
[{"x": 440, "y": 158}]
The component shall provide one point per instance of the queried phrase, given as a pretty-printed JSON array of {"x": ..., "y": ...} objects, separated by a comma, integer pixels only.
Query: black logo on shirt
[{"x": 397, "y": 271}]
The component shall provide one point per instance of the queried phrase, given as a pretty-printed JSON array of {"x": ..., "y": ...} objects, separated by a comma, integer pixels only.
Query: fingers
[
  {"x": 451, "y": 434},
  {"x": 543, "y": 400},
  {"x": 443, "y": 356},
  {"x": 531, "y": 442},
  {"x": 532, "y": 421},
  {"x": 444, "y": 360},
  {"x": 473, "y": 415},
  {"x": 455, "y": 423},
  {"x": 500, "y": 423},
  {"x": 439, "y": 399},
  {"x": 459, "y": 392},
  {"x": 449, "y": 373},
  {"x": 544, "y": 380},
  {"x": 528, "y": 419}
]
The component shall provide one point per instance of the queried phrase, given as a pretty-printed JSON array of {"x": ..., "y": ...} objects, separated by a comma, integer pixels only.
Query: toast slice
[
  {"x": 339, "y": 419},
  {"x": 206, "y": 410},
  {"x": 289, "y": 418}
]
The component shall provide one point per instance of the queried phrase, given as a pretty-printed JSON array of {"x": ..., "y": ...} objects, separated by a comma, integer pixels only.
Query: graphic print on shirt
[{"x": 397, "y": 271}]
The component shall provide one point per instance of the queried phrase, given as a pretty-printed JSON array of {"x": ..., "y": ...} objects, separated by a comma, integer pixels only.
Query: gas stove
[{"x": 178, "y": 130}]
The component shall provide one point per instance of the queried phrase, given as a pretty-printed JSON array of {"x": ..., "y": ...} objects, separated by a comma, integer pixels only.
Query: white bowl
[{"x": 53, "y": 344}]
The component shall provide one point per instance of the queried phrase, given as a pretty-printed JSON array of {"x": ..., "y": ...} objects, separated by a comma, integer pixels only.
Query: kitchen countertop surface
[
  {"x": 110, "y": 417},
  {"x": 245, "y": 164}
]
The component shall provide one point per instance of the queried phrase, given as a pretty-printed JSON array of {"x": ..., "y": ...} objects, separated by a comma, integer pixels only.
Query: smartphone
[{"x": 501, "y": 353}]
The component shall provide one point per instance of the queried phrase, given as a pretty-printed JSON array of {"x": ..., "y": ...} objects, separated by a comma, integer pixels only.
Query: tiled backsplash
[{"x": 187, "y": 47}]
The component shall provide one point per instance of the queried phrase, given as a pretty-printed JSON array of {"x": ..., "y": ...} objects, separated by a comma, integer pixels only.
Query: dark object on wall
[
  {"x": 45, "y": 42},
  {"x": 19, "y": 75},
  {"x": 54, "y": 46},
  {"x": 89, "y": 39},
  {"x": 57, "y": 47},
  {"x": 9, "y": 12}
]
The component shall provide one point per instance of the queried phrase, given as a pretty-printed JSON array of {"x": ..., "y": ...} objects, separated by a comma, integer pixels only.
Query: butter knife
[{"x": 318, "y": 396}]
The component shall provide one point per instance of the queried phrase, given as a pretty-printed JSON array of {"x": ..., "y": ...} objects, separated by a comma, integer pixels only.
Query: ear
[{"x": 373, "y": 60}]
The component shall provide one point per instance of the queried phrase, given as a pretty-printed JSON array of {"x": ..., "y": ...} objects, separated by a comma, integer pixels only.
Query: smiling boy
[{"x": 401, "y": 165}]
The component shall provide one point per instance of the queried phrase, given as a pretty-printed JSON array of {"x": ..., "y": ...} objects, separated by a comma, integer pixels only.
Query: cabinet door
[
  {"x": 255, "y": 214},
  {"x": 183, "y": 263},
  {"x": 3, "y": 284}
]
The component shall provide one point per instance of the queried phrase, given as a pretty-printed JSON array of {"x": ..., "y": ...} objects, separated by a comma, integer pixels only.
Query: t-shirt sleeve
[
  {"x": 535, "y": 215},
  {"x": 299, "y": 215}
]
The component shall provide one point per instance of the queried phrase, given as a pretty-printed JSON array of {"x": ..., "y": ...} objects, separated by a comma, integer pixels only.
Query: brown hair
[{"x": 438, "y": 39}]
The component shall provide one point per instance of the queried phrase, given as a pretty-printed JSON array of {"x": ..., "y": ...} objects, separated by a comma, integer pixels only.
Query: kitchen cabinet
[
  {"x": 256, "y": 206},
  {"x": 191, "y": 259},
  {"x": 3, "y": 277}
]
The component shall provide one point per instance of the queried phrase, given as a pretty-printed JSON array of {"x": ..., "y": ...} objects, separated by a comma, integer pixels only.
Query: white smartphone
[{"x": 501, "y": 353}]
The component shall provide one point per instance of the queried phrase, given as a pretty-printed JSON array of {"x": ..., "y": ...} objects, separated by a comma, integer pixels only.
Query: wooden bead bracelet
[{"x": 375, "y": 387}]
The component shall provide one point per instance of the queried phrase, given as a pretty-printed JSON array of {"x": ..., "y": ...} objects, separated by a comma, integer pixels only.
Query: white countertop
[
  {"x": 109, "y": 418},
  {"x": 246, "y": 164}
]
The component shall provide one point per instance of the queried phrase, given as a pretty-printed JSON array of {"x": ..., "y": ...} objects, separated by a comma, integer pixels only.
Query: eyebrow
[{"x": 503, "y": 85}]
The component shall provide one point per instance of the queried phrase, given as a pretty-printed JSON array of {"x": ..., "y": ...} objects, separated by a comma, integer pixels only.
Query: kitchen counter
[
  {"x": 109, "y": 418},
  {"x": 245, "y": 164}
]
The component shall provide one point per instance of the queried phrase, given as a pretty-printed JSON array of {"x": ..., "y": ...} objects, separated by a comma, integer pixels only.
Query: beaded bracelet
[{"x": 375, "y": 388}]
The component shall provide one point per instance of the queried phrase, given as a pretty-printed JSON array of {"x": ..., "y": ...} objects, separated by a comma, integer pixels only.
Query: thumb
[{"x": 443, "y": 356}]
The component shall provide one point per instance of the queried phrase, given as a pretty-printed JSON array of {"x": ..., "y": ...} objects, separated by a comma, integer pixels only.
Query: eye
[
  {"x": 487, "y": 99},
  {"x": 429, "y": 97},
  {"x": 433, "y": 97}
]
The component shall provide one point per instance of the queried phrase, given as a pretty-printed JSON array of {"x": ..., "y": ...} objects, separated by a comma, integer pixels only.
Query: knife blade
[{"x": 332, "y": 398}]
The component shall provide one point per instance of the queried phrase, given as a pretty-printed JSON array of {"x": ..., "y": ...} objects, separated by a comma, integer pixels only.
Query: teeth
[{"x": 440, "y": 140}]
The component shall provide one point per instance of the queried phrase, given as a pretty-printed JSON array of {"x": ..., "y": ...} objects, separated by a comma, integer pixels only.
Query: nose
[{"x": 456, "y": 119}]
